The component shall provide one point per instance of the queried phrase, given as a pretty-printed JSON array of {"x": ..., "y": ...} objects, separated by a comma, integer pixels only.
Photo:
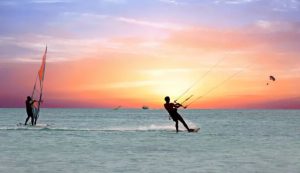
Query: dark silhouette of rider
[
  {"x": 29, "y": 104},
  {"x": 172, "y": 109}
]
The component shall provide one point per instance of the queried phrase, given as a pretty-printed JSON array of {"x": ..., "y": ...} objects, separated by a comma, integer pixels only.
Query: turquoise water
[{"x": 99, "y": 140}]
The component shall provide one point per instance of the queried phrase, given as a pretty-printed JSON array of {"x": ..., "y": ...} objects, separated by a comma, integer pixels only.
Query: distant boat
[
  {"x": 117, "y": 108},
  {"x": 145, "y": 107}
]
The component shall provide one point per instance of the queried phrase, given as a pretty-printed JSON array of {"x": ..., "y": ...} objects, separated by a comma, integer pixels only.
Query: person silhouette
[
  {"x": 29, "y": 103},
  {"x": 172, "y": 110}
]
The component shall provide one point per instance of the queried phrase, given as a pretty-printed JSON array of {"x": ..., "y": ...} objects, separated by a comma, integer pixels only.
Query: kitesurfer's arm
[{"x": 177, "y": 105}]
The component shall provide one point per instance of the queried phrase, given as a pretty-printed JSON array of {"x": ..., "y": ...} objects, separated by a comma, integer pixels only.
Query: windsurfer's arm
[
  {"x": 33, "y": 101},
  {"x": 41, "y": 101}
]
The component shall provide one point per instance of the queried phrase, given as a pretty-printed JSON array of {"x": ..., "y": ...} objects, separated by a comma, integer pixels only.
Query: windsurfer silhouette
[{"x": 29, "y": 104}]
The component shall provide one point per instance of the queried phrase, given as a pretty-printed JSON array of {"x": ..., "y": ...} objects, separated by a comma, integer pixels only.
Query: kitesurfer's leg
[
  {"x": 176, "y": 125},
  {"x": 183, "y": 122}
]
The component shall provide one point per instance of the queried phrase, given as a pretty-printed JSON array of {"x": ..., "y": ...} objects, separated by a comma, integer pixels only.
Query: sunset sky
[{"x": 106, "y": 53}]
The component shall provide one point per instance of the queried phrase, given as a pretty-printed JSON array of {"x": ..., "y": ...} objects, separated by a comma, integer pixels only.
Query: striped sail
[{"x": 37, "y": 91}]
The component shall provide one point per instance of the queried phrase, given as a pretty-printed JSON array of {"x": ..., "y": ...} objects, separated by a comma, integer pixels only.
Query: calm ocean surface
[{"x": 99, "y": 140}]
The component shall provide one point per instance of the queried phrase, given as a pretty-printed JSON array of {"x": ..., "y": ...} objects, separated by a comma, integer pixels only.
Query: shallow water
[{"x": 101, "y": 140}]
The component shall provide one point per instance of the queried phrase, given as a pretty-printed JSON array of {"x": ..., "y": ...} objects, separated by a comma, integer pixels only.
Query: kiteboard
[{"x": 195, "y": 130}]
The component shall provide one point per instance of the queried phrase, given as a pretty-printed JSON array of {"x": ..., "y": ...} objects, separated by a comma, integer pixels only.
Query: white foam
[
  {"x": 151, "y": 127},
  {"x": 154, "y": 127}
]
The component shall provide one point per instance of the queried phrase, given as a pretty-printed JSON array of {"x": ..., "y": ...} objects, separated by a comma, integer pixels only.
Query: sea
[{"x": 145, "y": 141}]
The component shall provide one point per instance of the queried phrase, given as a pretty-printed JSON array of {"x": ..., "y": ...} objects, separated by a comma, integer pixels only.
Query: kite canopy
[{"x": 272, "y": 78}]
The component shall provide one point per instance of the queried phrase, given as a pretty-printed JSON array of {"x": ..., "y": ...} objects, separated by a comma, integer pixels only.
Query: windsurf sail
[{"x": 37, "y": 91}]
